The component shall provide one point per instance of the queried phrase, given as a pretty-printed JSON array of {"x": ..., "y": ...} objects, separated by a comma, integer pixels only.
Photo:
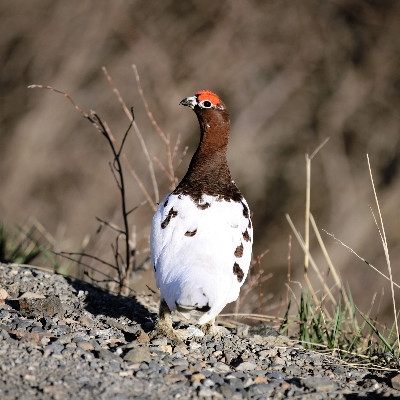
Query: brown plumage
[{"x": 208, "y": 171}]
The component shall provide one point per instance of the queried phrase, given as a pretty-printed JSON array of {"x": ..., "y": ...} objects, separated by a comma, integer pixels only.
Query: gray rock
[
  {"x": 261, "y": 389},
  {"x": 318, "y": 384},
  {"x": 246, "y": 366},
  {"x": 108, "y": 356},
  {"x": 207, "y": 393},
  {"x": 53, "y": 349},
  {"x": 180, "y": 362},
  {"x": 85, "y": 345},
  {"x": 263, "y": 329},
  {"x": 276, "y": 375},
  {"x": 39, "y": 307},
  {"x": 221, "y": 367},
  {"x": 138, "y": 355}
]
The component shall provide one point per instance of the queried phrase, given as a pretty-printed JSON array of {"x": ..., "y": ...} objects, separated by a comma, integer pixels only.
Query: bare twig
[
  {"x": 110, "y": 225},
  {"x": 176, "y": 147},
  {"x": 65, "y": 94},
  {"x": 253, "y": 281},
  {"x": 117, "y": 171},
  {"x": 146, "y": 105},
  {"x": 130, "y": 115},
  {"x": 118, "y": 94},
  {"x": 67, "y": 254},
  {"x": 153, "y": 205},
  {"x": 359, "y": 257},
  {"x": 163, "y": 169},
  {"x": 149, "y": 162},
  {"x": 165, "y": 138}
]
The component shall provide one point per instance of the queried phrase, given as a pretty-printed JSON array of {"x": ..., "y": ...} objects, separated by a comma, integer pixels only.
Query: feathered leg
[{"x": 164, "y": 324}]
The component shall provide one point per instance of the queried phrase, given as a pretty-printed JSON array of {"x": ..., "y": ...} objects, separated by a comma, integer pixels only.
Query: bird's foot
[
  {"x": 177, "y": 336},
  {"x": 164, "y": 326},
  {"x": 211, "y": 329}
]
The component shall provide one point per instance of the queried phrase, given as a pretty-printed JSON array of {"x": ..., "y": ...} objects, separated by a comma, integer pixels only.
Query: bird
[{"x": 202, "y": 234}]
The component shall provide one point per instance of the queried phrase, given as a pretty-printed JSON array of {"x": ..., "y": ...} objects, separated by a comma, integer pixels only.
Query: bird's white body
[{"x": 195, "y": 254}]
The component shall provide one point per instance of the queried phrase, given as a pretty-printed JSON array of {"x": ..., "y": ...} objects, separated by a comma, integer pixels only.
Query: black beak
[{"x": 189, "y": 102}]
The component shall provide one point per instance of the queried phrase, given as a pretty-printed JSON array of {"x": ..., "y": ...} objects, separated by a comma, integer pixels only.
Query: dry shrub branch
[{"x": 123, "y": 247}]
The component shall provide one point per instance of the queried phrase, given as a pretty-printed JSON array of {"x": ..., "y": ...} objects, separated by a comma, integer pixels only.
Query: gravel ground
[{"x": 62, "y": 338}]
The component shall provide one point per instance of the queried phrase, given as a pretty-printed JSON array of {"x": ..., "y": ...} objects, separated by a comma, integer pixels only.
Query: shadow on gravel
[
  {"x": 99, "y": 301},
  {"x": 372, "y": 396},
  {"x": 368, "y": 396}
]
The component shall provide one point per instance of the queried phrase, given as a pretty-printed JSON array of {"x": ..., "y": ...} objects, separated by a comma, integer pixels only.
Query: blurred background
[{"x": 292, "y": 74}]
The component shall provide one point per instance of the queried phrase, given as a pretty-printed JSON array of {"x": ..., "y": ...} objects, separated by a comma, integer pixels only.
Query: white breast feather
[{"x": 197, "y": 269}]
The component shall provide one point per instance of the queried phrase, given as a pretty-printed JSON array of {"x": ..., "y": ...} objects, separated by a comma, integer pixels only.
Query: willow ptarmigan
[{"x": 202, "y": 234}]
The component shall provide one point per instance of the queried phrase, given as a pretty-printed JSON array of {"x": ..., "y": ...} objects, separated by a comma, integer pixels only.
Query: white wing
[{"x": 201, "y": 252}]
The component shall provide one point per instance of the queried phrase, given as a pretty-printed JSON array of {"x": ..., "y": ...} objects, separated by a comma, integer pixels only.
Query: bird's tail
[{"x": 191, "y": 299}]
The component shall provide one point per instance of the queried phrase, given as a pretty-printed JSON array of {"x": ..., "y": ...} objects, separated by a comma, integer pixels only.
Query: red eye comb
[{"x": 207, "y": 95}]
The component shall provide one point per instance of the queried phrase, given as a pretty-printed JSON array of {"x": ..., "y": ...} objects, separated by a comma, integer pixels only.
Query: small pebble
[
  {"x": 396, "y": 382},
  {"x": 84, "y": 345},
  {"x": 318, "y": 384},
  {"x": 246, "y": 366},
  {"x": 275, "y": 375},
  {"x": 139, "y": 354}
]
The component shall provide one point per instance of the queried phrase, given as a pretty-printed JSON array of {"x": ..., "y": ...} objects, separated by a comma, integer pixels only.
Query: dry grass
[{"x": 326, "y": 316}]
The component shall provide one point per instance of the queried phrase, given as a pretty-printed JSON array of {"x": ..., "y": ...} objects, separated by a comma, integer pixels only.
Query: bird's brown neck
[{"x": 208, "y": 171}]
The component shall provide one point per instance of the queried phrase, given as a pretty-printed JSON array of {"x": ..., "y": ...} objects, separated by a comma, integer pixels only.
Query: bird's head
[
  {"x": 213, "y": 118},
  {"x": 204, "y": 100}
]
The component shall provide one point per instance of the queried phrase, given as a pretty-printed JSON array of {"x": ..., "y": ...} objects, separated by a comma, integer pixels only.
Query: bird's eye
[{"x": 206, "y": 104}]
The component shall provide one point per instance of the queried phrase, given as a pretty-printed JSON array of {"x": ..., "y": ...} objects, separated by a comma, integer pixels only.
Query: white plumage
[{"x": 194, "y": 254}]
